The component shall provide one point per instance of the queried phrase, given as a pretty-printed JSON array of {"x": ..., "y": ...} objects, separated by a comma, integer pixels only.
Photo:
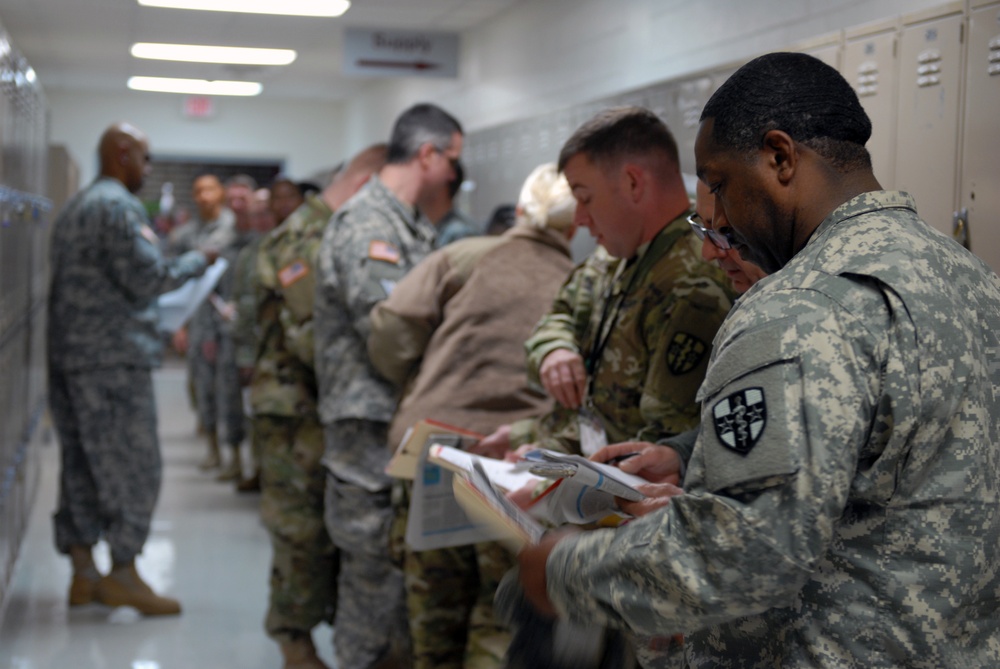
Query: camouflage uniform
[
  {"x": 461, "y": 317},
  {"x": 205, "y": 326},
  {"x": 102, "y": 342},
  {"x": 842, "y": 498},
  {"x": 371, "y": 243},
  {"x": 661, "y": 310},
  {"x": 286, "y": 429},
  {"x": 229, "y": 389}
]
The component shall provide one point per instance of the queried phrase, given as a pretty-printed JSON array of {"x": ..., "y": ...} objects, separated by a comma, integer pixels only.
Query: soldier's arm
[
  {"x": 136, "y": 264},
  {"x": 299, "y": 339},
  {"x": 244, "y": 296},
  {"x": 564, "y": 325},
  {"x": 367, "y": 260},
  {"x": 402, "y": 324},
  {"x": 768, "y": 483}
]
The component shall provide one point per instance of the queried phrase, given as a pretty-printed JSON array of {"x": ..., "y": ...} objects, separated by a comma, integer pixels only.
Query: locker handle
[{"x": 960, "y": 226}]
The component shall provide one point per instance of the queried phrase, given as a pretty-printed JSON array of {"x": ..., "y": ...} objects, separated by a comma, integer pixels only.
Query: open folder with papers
[
  {"x": 177, "y": 306},
  {"x": 436, "y": 519},
  {"x": 584, "y": 493}
]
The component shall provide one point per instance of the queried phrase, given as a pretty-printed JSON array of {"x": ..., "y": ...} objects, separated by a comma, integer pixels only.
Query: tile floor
[{"x": 207, "y": 548}]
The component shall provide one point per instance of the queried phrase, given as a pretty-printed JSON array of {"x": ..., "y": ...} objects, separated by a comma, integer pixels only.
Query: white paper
[
  {"x": 436, "y": 520},
  {"x": 507, "y": 475},
  {"x": 177, "y": 306}
]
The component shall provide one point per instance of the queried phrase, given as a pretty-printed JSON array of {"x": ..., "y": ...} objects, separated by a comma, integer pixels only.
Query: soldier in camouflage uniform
[
  {"x": 654, "y": 461},
  {"x": 213, "y": 227},
  {"x": 841, "y": 502},
  {"x": 452, "y": 333},
  {"x": 626, "y": 345},
  {"x": 631, "y": 330},
  {"x": 286, "y": 426},
  {"x": 243, "y": 331},
  {"x": 371, "y": 243},
  {"x": 216, "y": 326},
  {"x": 102, "y": 342}
]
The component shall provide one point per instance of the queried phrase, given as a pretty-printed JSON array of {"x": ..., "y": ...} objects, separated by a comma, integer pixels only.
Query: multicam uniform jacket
[
  {"x": 644, "y": 327},
  {"x": 842, "y": 500},
  {"x": 284, "y": 382}
]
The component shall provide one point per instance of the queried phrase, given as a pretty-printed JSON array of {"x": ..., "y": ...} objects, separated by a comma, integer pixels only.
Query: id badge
[{"x": 592, "y": 435}]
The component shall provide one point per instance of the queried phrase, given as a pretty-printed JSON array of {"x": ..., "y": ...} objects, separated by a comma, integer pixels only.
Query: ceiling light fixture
[
  {"x": 193, "y": 53},
  {"x": 194, "y": 86},
  {"x": 326, "y": 8}
]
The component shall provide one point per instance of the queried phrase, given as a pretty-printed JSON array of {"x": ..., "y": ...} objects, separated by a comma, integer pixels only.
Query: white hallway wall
[
  {"x": 544, "y": 55},
  {"x": 304, "y": 134},
  {"x": 539, "y": 56}
]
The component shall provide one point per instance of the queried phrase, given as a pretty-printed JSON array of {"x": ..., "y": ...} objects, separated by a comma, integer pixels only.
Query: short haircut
[
  {"x": 417, "y": 126},
  {"x": 620, "y": 133},
  {"x": 795, "y": 93},
  {"x": 502, "y": 218},
  {"x": 203, "y": 175},
  {"x": 283, "y": 179},
  {"x": 244, "y": 180}
]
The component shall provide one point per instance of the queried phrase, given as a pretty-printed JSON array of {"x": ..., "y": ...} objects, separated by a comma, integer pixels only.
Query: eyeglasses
[
  {"x": 723, "y": 239},
  {"x": 456, "y": 163}
]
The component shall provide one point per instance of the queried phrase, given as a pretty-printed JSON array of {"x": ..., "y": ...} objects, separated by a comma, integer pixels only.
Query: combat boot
[
  {"x": 83, "y": 588},
  {"x": 211, "y": 460},
  {"x": 251, "y": 484},
  {"x": 234, "y": 470},
  {"x": 124, "y": 587},
  {"x": 300, "y": 653}
]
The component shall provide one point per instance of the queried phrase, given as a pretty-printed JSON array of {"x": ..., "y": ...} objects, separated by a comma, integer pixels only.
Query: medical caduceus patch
[{"x": 740, "y": 418}]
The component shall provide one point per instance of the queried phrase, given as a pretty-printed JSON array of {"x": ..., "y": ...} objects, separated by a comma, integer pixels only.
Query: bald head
[{"x": 124, "y": 154}]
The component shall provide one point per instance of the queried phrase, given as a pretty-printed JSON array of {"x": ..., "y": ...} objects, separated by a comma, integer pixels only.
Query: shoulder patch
[
  {"x": 685, "y": 353},
  {"x": 150, "y": 236},
  {"x": 292, "y": 273},
  {"x": 379, "y": 250},
  {"x": 740, "y": 418}
]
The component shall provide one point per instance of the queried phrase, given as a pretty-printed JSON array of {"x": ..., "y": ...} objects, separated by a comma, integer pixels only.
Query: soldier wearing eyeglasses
[{"x": 840, "y": 507}]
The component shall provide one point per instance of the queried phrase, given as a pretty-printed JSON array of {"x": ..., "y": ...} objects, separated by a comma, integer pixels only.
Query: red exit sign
[{"x": 199, "y": 106}]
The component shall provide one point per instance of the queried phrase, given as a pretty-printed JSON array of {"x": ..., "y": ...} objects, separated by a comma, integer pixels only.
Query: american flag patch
[
  {"x": 292, "y": 273},
  {"x": 379, "y": 250}
]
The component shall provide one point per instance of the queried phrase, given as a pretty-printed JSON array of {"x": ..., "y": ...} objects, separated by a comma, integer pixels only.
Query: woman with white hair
[{"x": 452, "y": 334}]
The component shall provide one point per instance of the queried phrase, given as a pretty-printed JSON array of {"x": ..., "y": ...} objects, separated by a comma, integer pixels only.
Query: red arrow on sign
[{"x": 404, "y": 64}]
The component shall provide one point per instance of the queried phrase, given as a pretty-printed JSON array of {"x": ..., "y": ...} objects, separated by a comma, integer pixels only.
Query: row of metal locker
[
  {"x": 930, "y": 82},
  {"x": 25, "y": 213}
]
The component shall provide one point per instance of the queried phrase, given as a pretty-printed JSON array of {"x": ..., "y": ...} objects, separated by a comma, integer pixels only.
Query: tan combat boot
[
  {"x": 234, "y": 470},
  {"x": 124, "y": 587},
  {"x": 83, "y": 589},
  {"x": 300, "y": 653},
  {"x": 211, "y": 460}
]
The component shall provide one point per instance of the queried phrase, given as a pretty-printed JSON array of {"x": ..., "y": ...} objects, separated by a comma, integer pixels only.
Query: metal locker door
[
  {"x": 979, "y": 194},
  {"x": 870, "y": 64},
  {"x": 930, "y": 86},
  {"x": 689, "y": 99},
  {"x": 827, "y": 48}
]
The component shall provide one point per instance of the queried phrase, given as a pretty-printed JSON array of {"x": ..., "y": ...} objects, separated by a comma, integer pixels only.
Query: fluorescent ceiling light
[
  {"x": 327, "y": 8},
  {"x": 193, "y": 53},
  {"x": 194, "y": 86}
]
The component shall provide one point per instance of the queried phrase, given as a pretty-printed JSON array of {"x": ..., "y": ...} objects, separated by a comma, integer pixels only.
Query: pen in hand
[{"x": 620, "y": 458}]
